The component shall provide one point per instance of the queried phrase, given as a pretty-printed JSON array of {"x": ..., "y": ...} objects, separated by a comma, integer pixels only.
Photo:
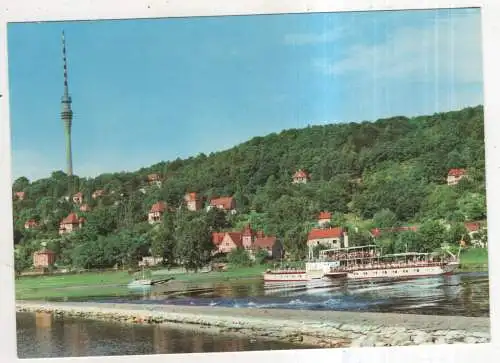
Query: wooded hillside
[{"x": 370, "y": 174}]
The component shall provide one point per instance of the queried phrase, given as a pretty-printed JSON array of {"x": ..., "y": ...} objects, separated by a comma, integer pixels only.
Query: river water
[
  {"x": 41, "y": 335},
  {"x": 464, "y": 294}
]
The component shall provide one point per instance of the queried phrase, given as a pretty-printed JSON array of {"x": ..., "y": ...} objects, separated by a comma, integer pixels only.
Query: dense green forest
[{"x": 370, "y": 174}]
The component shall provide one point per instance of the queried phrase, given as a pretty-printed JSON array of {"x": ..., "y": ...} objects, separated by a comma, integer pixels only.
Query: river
[
  {"x": 465, "y": 294},
  {"x": 42, "y": 335}
]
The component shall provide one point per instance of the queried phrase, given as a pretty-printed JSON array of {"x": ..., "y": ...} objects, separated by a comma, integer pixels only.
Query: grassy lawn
[
  {"x": 474, "y": 259},
  {"x": 230, "y": 274}
]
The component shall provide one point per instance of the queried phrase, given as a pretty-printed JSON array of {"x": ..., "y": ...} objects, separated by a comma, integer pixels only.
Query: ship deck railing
[{"x": 388, "y": 266}]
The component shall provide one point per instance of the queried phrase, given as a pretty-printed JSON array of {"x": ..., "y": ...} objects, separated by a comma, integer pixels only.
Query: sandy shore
[{"x": 317, "y": 328}]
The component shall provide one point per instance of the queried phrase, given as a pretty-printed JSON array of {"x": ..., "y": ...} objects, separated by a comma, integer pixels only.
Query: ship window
[{"x": 418, "y": 270}]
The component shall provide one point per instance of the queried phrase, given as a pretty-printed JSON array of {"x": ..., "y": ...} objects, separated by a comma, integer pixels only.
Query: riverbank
[
  {"x": 312, "y": 328},
  {"x": 474, "y": 260},
  {"x": 114, "y": 283}
]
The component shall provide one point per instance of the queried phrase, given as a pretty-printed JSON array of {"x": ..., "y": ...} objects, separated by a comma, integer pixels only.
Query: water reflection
[{"x": 41, "y": 336}]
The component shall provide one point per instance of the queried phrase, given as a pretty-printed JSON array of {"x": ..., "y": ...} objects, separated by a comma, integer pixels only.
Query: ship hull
[{"x": 396, "y": 273}]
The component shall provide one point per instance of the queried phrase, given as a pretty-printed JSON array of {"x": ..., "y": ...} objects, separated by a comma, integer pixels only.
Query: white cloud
[
  {"x": 449, "y": 49},
  {"x": 313, "y": 38}
]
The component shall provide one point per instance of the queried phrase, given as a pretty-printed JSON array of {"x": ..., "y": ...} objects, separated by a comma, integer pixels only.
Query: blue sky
[{"x": 150, "y": 90}]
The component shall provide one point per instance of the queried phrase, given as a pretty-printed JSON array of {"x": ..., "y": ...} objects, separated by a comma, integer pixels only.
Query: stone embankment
[{"x": 311, "y": 328}]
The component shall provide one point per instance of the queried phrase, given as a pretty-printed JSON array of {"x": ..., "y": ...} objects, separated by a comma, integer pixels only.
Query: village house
[
  {"x": 78, "y": 198},
  {"x": 249, "y": 240},
  {"x": 217, "y": 238},
  {"x": 227, "y": 204},
  {"x": 20, "y": 195},
  {"x": 225, "y": 242},
  {"x": 253, "y": 241},
  {"x": 193, "y": 201},
  {"x": 71, "y": 223},
  {"x": 300, "y": 177},
  {"x": 30, "y": 224},
  {"x": 455, "y": 175},
  {"x": 156, "y": 212},
  {"x": 327, "y": 237},
  {"x": 98, "y": 193},
  {"x": 270, "y": 244},
  {"x": 43, "y": 258},
  {"x": 85, "y": 208},
  {"x": 324, "y": 218},
  {"x": 155, "y": 179}
]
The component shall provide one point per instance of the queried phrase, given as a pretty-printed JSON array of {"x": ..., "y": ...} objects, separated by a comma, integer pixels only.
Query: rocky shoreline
[{"x": 312, "y": 328}]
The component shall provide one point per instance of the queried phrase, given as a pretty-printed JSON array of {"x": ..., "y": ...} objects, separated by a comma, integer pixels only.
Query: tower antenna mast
[{"x": 66, "y": 112}]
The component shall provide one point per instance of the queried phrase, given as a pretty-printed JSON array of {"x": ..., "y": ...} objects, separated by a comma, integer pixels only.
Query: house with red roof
[
  {"x": 249, "y": 240},
  {"x": 455, "y": 175},
  {"x": 324, "y": 218},
  {"x": 227, "y": 204},
  {"x": 193, "y": 201},
  {"x": 230, "y": 241},
  {"x": 257, "y": 240},
  {"x": 30, "y": 224},
  {"x": 20, "y": 195},
  {"x": 78, "y": 198},
  {"x": 270, "y": 244},
  {"x": 71, "y": 223},
  {"x": 333, "y": 237},
  {"x": 156, "y": 212},
  {"x": 300, "y": 177},
  {"x": 155, "y": 179}
]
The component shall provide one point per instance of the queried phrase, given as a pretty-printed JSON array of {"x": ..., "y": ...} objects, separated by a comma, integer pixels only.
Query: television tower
[{"x": 66, "y": 112}]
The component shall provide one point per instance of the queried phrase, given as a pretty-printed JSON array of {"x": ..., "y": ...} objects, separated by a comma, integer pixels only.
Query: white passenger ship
[{"x": 365, "y": 262}]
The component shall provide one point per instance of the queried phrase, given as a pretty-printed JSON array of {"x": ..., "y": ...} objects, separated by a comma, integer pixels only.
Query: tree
[
  {"x": 385, "y": 219},
  {"x": 407, "y": 241},
  {"x": 359, "y": 238},
  {"x": 20, "y": 184},
  {"x": 338, "y": 220},
  {"x": 457, "y": 233},
  {"x": 217, "y": 219},
  {"x": 261, "y": 256},
  {"x": 193, "y": 243},
  {"x": 163, "y": 239},
  {"x": 239, "y": 257},
  {"x": 295, "y": 243},
  {"x": 103, "y": 220},
  {"x": 473, "y": 206},
  {"x": 440, "y": 203},
  {"x": 432, "y": 235}
]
